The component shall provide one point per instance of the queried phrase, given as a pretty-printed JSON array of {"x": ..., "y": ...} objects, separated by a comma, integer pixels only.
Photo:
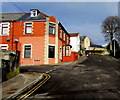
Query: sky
[{"x": 83, "y": 17}]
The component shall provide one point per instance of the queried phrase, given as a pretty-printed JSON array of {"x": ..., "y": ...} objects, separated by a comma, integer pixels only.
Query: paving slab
[{"x": 19, "y": 84}]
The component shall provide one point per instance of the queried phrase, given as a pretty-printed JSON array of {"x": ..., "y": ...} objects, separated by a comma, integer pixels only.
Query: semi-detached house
[{"x": 41, "y": 39}]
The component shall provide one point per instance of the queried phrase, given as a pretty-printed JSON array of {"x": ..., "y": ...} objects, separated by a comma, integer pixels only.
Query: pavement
[
  {"x": 19, "y": 84},
  {"x": 22, "y": 82}
]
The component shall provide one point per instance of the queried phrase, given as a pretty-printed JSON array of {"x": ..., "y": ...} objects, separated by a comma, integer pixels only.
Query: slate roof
[
  {"x": 21, "y": 16},
  {"x": 10, "y": 16},
  {"x": 74, "y": 34},
  {"x": 40, "y": 16}
]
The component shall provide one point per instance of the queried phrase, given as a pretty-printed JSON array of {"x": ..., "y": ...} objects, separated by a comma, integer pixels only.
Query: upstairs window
[
  {"x": 33, "y": 13},
  {"x": 52, "y": 29},
  {"x": 67, "y": 40},
  {"x": 27, "y": 51},
  {"x": 28, "y": 28},
  {"x": 3, "y": 46},
  {"x": 64, "y": 36},
  {"x": 4, "y": 28},
  {"x": 60, "y": 33}
]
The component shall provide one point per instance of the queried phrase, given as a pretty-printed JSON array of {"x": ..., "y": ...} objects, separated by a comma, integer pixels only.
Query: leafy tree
[{"x": 111, "y": 29}]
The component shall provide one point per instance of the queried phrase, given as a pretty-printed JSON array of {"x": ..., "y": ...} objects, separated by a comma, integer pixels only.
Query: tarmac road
[{"x": 98, "y": 77}]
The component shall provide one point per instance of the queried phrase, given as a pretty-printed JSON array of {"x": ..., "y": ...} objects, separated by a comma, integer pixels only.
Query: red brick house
[{"x": 41, "y": 39}]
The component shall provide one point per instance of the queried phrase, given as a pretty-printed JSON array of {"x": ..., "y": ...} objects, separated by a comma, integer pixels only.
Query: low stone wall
[{"x": 9, "y": 64}]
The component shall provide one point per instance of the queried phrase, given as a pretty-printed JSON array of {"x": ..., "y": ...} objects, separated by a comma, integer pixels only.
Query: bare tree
[{"x": 110, "y": 29}]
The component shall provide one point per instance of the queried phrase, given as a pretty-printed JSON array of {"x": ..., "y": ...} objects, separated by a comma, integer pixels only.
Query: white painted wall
[{"x": 75, "y": 43}]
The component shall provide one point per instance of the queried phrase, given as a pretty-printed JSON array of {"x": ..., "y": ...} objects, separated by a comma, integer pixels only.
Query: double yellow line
[{"x": 47, "y": 77}]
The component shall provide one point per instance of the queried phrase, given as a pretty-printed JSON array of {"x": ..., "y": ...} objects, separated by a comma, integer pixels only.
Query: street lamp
[
  {"x": 114, "y": 43},
  {"x": 108, "y": 31}
]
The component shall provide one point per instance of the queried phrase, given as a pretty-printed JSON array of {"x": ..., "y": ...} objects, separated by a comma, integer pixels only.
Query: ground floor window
[
  {"x": 68, "y": 52},
  {"x": 51, "y": 52},
  {"x": 3, "y": 46},
  {"x": 60, "y": 53},
  {"x": 27, "y": 51}
]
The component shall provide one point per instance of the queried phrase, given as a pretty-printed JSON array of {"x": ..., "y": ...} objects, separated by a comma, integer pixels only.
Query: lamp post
[
  {"x": 114, "y": 44},
  {"x": 113, "y": 38},
  {"x": 114, "y": 47},
  {"x": 16, "y": 41},
  {"x": 109, "y": 31}
]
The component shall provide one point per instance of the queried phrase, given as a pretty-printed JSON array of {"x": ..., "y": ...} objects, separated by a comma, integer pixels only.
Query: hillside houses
[{"x": 41, "y": 39}]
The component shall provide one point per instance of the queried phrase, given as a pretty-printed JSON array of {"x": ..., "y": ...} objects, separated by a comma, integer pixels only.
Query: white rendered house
[
  {"x": 75, "y": 42},
  {"x": 85, "y": 42}
]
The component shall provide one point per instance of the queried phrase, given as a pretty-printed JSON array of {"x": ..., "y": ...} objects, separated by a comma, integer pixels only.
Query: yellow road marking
[{"x": 47, "y": 77}]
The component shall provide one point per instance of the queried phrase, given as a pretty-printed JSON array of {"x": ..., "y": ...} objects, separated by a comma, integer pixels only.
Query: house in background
[
  {"x": 84, "y": 43},
  {"x": 75, "y": 43},
  {"x": 96, "y": 47},
  {"x": 41, "y": 39}
]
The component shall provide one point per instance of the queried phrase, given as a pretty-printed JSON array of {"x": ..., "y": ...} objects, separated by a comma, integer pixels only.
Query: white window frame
[
  {"x": 26, "y": 28},
  {"x": 24, "y": 50},
  {"x": 67, "y": 39},
  {"x": 61, "y": 53},
  {"x": 49, "y": 51},
  {"x": 64, "y": 36},
  {"x": 54, "y": 29},
  {"x": 64, "y": 51},
  {"x": 5, "y": 46},
  {"x": 1, "y": 28},
  {"x": 61, "y": 34},
  {"x": 34, "y": 13},
  {"x": 68, "y": 51}
]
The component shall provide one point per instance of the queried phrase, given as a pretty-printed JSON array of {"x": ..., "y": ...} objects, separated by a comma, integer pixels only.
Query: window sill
[
  {"x": 26, "y": 58},
  {"x": 28, "y": 34},
  {"x": 3, "y": 35},
  {"x": 52, "y": 34}
]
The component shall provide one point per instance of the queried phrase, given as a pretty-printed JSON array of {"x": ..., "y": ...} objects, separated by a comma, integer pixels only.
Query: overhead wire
[{"x": 16, "y": 6}]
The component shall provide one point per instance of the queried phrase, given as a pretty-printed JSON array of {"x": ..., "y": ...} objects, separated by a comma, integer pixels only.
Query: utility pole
[
  {"x": 108, "y": 31},
  {"x": 114, "y": 47}
]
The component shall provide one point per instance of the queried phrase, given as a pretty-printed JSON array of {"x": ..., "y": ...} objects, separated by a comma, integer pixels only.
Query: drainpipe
[{"x": 12, "y": 35}]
